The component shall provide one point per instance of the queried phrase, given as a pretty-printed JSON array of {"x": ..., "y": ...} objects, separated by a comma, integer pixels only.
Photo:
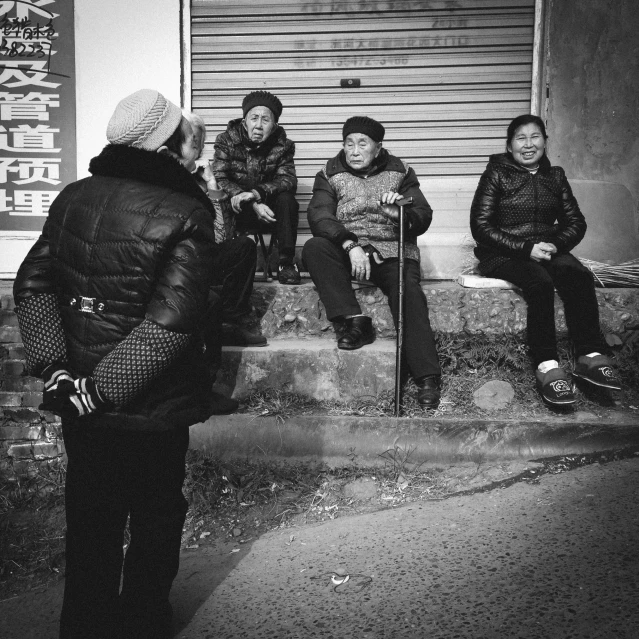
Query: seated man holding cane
[{"x": 354, "y": 220}]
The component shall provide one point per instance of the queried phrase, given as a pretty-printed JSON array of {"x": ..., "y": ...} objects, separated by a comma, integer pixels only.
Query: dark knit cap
[
  {"x": 262, "y": 98},
  {"x": 361, "y": 124}
]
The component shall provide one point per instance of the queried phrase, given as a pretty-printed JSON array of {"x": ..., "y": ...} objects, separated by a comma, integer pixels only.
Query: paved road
[{"x": 554, "y": 560}]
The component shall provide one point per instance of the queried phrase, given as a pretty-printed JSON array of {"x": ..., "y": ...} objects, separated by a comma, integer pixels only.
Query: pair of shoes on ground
[
  {"x": 288, "y": 274},
  {"x": 241, "y": 334},
  {"x": 556, "y": 389},
  {"x": 357, "y": 332}
]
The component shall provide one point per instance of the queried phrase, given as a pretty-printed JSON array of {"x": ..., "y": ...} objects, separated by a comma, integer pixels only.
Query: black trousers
[
  {"x": 330, "y": 270},
  {"x": 112, "y": 475},
  {"x": 576, "y": 288},
  {"x": 286, "y": 210},
  {"x": 233, "y": 275}
]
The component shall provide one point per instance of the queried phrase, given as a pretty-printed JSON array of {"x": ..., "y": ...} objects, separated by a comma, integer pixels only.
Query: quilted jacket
[
  {"x": 138, "y": 237},
  {"x": 241, "y": 165},
  {"x": 513, "y": 209}
]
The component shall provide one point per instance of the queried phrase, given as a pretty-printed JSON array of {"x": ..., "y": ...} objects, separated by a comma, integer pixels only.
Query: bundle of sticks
[{"x": 624, "y": 275}]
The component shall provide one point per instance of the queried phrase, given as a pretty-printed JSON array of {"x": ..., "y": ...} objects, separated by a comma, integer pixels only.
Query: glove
[
  {"x": 84, "y": 396},
  {"x": 52, "y": 399}
]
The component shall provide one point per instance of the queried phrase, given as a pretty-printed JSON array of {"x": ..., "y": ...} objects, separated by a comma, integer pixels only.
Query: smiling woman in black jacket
[
  {"x": 109, "y": 300},
  {"x": 526, "y": 221}
]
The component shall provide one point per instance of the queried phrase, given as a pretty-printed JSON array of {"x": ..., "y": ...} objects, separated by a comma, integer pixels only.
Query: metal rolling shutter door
[{"x": 444, "y": 77}]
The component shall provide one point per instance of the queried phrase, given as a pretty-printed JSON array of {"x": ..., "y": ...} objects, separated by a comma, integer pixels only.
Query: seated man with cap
[
  {"x": 355, "y": 226},
  {"x": 254, "y": 166}
]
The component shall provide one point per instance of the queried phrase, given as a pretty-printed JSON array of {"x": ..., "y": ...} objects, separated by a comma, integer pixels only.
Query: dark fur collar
[{"x": 117, "y": 160}]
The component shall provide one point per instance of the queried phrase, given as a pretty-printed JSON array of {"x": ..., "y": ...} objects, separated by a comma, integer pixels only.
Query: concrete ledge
[
  {"x": 312, "y": 367},
  {"x": 287, "y": 312},
  {"x": 344, "y": 440}
]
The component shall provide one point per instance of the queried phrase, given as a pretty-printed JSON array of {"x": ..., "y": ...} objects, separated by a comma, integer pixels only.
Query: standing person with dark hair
[
  {"x": 254, "y": 165},
  {"x": 109, "y": 300},
  {"x": 355, "y": 225},
  {"x": 526, "y": 221}
]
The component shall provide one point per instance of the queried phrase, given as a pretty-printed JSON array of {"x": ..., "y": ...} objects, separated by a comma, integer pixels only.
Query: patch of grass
[
  {"x": 467, "y": 362},
  {"x": 32, "y": 527},
  {"x": 240, "y": 499},
  {"x": 276, "y": 403}
]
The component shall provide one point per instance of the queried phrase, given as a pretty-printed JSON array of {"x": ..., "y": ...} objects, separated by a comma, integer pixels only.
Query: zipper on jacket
[{"x": 536, "y": 193}]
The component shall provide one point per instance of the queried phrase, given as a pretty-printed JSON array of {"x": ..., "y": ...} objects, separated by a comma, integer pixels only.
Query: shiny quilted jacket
[
  {"x": 513, "y": 209},
  {"x": 134, "y": 241}
]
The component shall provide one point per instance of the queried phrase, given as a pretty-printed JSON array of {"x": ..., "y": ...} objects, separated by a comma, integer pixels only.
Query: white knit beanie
[{"x": 145, "y": 119}]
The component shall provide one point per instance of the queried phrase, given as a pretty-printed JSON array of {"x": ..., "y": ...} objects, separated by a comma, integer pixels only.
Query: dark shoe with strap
[
  {"x": 288, "y": 274},
  {"x": 237, "y": 334},
  {"x": 597, "y": 371},
  {"x": 555, "y": 388},
  {"x": 358, "y": 331},
  {"x": 429, "y": 391}
]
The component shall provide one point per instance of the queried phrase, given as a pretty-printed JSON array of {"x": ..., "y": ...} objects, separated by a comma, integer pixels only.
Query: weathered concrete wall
[
  {"x": 593, "y": 108},
  {"x": 295, "y": 312}
]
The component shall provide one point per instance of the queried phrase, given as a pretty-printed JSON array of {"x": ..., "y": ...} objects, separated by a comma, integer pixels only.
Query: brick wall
[{"x": 28, "y": 436}]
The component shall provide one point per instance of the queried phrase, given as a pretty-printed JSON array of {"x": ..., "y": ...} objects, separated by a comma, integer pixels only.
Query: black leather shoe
[
  {"x": 236, "y": 334},
  {"x": 358, "y": 331},
  {"x": 428, "y": 391}
]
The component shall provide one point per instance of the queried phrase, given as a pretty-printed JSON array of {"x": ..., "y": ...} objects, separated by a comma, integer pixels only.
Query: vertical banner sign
[{"x": 37, "y": 109}]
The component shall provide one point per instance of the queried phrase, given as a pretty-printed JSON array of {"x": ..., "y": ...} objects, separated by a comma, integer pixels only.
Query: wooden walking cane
[{"x": 407, "y": 201}]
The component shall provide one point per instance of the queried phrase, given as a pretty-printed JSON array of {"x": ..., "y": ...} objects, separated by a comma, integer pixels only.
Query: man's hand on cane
[{"x": 389, "y": 208}]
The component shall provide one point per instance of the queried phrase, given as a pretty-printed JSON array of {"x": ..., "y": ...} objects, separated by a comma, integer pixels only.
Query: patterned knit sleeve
[
  {"x": 137, "y": 361},
  {"x": 41, "y": 331}
]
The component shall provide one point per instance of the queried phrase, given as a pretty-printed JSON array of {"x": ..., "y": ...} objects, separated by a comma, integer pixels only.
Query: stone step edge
[
  {"x": 583, "y": 419},
  {"x": 312, "y": 344},
  {"x": 348, "y": 440}
]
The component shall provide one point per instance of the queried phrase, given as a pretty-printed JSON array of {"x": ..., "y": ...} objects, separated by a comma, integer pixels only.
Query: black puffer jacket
[
  {"x": 137, "y": 236},
  {"x": 241, "y": 165},
  {"x": 513, "y": 209}
]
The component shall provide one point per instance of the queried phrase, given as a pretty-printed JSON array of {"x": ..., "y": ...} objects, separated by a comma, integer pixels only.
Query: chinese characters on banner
[{"x": 37, "y": 109}]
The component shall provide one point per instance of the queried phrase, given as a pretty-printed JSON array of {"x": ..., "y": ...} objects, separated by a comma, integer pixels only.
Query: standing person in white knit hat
[{"x": 109, "y": 300}]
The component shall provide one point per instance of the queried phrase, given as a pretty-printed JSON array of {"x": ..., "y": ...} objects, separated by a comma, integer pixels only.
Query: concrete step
[
  {"x": 302, "y": 357},
  {"x": 311, "y": 367},
  {"x": 371, "y": 441},
  {"x": 296, "y": 311}
]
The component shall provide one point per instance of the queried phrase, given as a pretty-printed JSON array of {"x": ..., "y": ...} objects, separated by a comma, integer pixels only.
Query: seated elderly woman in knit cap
[
  {"x": 254, "y": 166},
  {"x": 354, "y": 221}
]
